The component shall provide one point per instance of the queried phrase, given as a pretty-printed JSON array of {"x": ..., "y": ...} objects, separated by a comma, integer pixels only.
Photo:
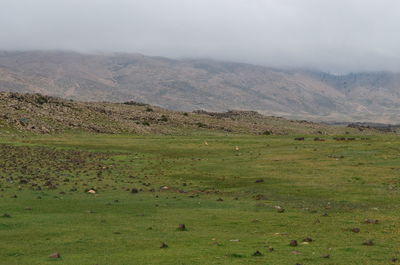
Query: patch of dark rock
[
  {"x": 371, "y": 221},
  {"x": 182, "y": 227},
  {"x": 293, "y": 243},
  {"x": 257, "y": 254}
]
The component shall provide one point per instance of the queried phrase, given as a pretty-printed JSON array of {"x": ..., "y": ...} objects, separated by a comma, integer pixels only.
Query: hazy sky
[{"x": 331, "y": 35}]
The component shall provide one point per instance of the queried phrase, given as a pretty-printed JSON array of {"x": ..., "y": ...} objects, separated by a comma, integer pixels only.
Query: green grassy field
[{"x": 226, "y": 198}]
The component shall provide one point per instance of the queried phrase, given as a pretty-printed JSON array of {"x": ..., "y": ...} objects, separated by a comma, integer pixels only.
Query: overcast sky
[{"x": 330, "y": 35}]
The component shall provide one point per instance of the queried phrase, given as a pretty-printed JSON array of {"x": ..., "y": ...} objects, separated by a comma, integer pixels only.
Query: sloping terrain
[
  {"x": 204, "y": 84},
  {"x": 44, "y": 114}
]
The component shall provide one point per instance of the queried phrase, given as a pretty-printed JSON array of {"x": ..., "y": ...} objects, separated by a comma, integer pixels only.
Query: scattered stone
[
  {"x": 279, "y": 209},
  {"x": 293, "y": 243},
  {"x": 371, "y": 221},
  {"x": 6, "y": 215},
  {"x": 220, "y": 200},
  {"x": 91, "y": 191},
  {"x": 270, "y": 249},
  {"x": 259, "y": 181},
  {"x": 368, "y": 243},
  {"x": 259, "y": 197},
  {"x": 182, "y": 227},
  {"x": 326, "y": 256},
  {"x": 257, "y": 253},
  {"x": 325, "y": 214},
  {"x": 133, "y": 190},
  {"x": 394, "y": 259},
  {"x": 23, "y": 181},
  {"x": 355, "y": 230},
  {"x": 308, "y": 239},
  {"x": 296, "y": 252},
  {"x": 163, "y": 245},
  {"x": 55, "y": 255}
]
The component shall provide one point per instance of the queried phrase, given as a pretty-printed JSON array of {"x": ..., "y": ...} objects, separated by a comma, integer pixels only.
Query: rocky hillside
[
  {"x": 188, "y": 85},
  {"x": 43, "y": 114}
]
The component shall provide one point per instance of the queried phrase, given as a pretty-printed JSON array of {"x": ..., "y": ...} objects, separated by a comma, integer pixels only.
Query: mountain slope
[{"x": 203, "y": 84}]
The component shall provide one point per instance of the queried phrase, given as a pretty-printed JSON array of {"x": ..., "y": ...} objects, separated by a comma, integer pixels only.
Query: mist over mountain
[{"x": 211, "y": 85}]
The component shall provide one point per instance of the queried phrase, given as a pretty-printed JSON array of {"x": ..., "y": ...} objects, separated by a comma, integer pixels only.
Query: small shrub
[
  {"x": 201, "y": 125},
  {"x": 41, "y": 100},
  {"x": 267, "y": 132},
  {"x": 164, "y": 118}
]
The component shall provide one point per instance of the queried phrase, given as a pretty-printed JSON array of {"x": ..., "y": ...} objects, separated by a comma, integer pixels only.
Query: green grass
[{"x": 348, "y": 180}]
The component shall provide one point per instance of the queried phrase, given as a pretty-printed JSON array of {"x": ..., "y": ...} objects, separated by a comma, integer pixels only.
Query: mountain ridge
[{"x": 191, "y": 84}]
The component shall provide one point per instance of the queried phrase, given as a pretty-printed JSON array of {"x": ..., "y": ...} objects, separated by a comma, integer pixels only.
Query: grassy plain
[{"x": 225, "y": 197}]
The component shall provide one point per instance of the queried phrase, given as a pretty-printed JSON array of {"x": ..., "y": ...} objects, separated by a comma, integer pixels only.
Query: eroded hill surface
[{"x": 44, "y": 114}]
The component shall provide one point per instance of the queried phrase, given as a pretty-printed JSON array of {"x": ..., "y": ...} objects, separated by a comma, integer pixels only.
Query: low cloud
[{"x": 336, "y": 36}]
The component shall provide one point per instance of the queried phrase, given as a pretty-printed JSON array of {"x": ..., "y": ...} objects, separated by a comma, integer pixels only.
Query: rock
[
  {"x": 6, "y": 215},
  {"x": 326, "y": 256},
  {"x": 55, "y": 255},
  {"x": 293, "y": 243},
  {"x": 279, "y": 209},
  {"x": 92, "y": 191},
  {"x": 270, "y": 249},
  {"x": 308, "y": 239},
  {"x": 163, "y": 245},
  {"x": 257, "y": 253},
  {"x": 220, "y": 200},
  {"x": 355, "y": 230},
  {"x": 259, "y": 181},
  {"x": 133, "y": 190},
  {"x": 368, "y": 243},
  {"x": 296, "y": 252},
  {"x": 182, "y": 227},
  {"x": 24, "y": 181},
  {"x": 394, "y": 259},
  {"x": 371, "y": 221}
]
